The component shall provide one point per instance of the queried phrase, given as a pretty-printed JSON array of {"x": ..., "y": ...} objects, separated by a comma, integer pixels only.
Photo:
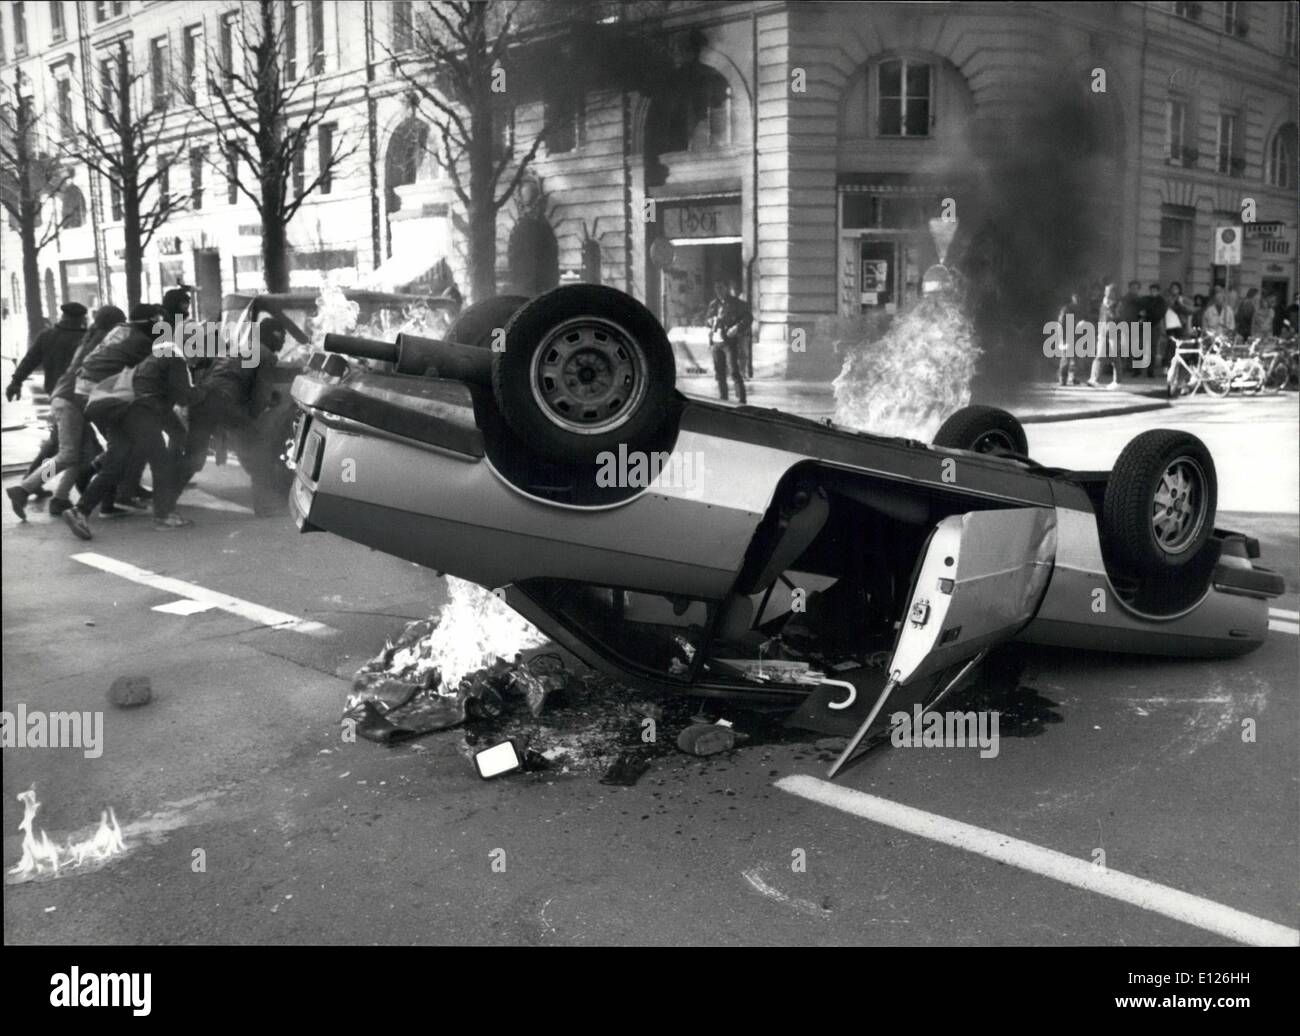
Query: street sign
[{"x": 1227, "y": 246}]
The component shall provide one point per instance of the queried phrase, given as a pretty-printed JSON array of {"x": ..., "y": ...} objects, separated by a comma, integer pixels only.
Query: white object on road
[
  {"x": 257, "y": 613},
  {"x": 1160, "y": 899}
]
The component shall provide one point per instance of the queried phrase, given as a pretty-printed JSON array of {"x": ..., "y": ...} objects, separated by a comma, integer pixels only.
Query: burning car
[{"x": 757, "y": 554}]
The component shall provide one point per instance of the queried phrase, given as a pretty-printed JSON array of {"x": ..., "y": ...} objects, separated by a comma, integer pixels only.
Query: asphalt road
[{"x": 307, "y": 839}]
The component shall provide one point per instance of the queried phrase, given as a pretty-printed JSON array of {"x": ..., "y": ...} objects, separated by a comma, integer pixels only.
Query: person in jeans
[
  {"x": 161, "y": 383},
  {"x": 77, "y": 443},
  {"x": 1107, "y": 346},
  {"x": 1065, "y": 370}
]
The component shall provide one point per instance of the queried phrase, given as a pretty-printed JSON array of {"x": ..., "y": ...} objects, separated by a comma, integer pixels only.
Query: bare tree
[
  {"x": 133, "y": 153},
  {"x": 457, "y": 70},
  {"x": 30, "y": 180},
  {"x": 267, "y": 118}
]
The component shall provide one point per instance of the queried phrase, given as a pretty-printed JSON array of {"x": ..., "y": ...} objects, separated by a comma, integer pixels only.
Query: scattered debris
[
  {"x": 627, "y": 769},
  {"x": 128, "y": 692},
  {"x": 709, "y": 738}
]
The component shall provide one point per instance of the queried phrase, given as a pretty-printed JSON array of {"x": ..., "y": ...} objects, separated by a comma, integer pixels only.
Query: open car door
[{"x": 979, "y": 581}]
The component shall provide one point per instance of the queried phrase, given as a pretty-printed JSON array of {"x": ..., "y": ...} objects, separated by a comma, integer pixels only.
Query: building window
[
  {"x": 324, "y": 155},
  {"x": 196, "y": 177},
  {"x": 403, "y": 26},
  {"x": 903, "y": 99},
  {"x": 108, "y": 89},
  {"x": 566, "y": 120},
  {"x": 1177, "y": 151},
  {"x": 291, "y": 42},
  {"x": 1227, "y": 154},
  {"x": 160, "y": 72},
  {"x": 67, "y": 127},
  {"x": 232, "y": 175},
  {"x": 104, "y": 10},
  {"x": 227, "y": 44},
  {"x": 316, "y": 37},
  {"x": 1281, "y": 164},
  {"x": 114, "y": 201},
  {"x": 1192, "y": 12},
  {"x": 299, "y": 173},
  {"x": 73, "y": 203},
  {"x": 58, "y": 28},
  {"x": 191, "y": 51},
  {"x": 20, "y": 30},
  {"x": 1234, "y": 19}
]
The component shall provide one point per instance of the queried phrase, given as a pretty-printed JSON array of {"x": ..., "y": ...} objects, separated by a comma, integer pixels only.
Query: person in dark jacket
[
  {"x": 239, "y": 388},
  {"x": 161, "y": 383},
  {"x": 77, "y": 442},
  {"x": 51, "y": 351}
]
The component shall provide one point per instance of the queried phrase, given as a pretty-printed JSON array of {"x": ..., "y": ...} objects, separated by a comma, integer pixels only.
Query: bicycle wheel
[
  {"x": 1178, "y": 380},
  {"x": 1275, "y": 376},
  {"x": 1215, "y": 376},
  {"x": 1250, "y": 377}
]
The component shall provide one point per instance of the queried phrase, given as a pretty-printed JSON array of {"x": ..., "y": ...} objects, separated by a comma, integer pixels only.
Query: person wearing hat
[
  {"x": 51, "y": 351},
  {"x": 75, "y": 439}
]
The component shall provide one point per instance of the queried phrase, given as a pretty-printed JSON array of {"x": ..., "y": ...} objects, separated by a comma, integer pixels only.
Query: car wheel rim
[
  {"x": 589, "y": 375},
  {"x": 994, "y": 441},
  {"x": 1178, "y": 508}
]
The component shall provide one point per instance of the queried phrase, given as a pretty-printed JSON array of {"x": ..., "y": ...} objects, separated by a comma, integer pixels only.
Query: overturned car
[{"x": 543, "y": 450}]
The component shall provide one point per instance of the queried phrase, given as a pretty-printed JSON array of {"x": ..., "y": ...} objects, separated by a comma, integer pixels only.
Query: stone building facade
[{"x": 801, "y": 149}]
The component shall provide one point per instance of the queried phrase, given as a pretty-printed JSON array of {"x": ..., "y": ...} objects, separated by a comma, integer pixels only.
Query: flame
[
  {"x": 42, "y": 856},
  {"x": 337, "y": 314},
  {"x": 474, "y": 629},
  {"x": 906, "y": 382}
]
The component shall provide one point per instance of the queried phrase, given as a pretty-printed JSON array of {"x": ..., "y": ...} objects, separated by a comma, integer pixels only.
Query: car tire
[
  {"x": 983, "y": 429},
  {"x": 585, "y": 369},
  {"x": 476, "y": 324},
  {"x": 1160, "y": 502}
]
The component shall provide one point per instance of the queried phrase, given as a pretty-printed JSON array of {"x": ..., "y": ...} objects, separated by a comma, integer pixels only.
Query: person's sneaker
[
  {"x": 76, "y": 521},
  {"x": 129, "y": 503},
  {"x": 58, "y": 505},
  {"x": 143, "y": 494},
  {"x": 18, "y": 500},
  {"x": 42, "y": 494},
  {"x": 172, "y": 521},
  {"x": 107, "y": 510}
]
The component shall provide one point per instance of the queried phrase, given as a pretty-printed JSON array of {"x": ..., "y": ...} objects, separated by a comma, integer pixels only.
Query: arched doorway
[
  {"x": 407, "y": 161},
  {"x": 534, "y": 256}
]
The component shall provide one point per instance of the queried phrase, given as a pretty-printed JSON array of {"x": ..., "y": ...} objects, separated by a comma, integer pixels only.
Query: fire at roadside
[{"x": 483, "y": 674}]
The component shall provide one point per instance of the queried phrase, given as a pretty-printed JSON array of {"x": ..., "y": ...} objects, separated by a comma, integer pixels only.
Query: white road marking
[
  {"x": 199, "y": 498},
  {"x": 1282, "y": 613},
  {"x": 1048, "y": 863},
  {"x": 257, "y": 613},
  {"x": 185, "y": 606},
  {"x": 1284, "y": 627}
]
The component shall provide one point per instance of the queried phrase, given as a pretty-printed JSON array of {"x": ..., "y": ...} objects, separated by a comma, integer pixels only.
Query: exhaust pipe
[{"x": 422, "y": 357}]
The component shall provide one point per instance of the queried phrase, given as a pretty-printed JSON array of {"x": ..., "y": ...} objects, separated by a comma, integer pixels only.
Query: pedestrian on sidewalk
[
  {"x": 1153, "y": 319},
  {"x": 1218, "y": 317},
  {"x": 1244, "y": 317},
  {"x": 1065, "y": 374},
  {"x": 1107, "y": 342},
  {"x": 728, "y": 317}
]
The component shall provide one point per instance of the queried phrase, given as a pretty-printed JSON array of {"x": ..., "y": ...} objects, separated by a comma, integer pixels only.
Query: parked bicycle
[{"x": 1197, "y": 364}]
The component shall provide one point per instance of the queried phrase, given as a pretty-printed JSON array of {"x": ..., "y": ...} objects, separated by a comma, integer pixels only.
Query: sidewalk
[{"x": 1033, "y": 404}]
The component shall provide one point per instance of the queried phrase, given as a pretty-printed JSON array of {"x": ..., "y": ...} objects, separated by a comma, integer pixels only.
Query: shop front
[{"x": 885, "y": 243}]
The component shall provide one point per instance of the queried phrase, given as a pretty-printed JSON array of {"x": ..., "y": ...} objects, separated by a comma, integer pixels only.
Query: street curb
[{"x": 1083, "y": 415}]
